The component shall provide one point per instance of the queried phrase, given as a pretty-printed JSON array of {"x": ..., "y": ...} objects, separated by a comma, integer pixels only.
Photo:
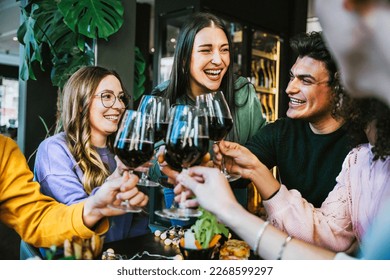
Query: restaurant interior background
[{"x": 154, "y": 29}]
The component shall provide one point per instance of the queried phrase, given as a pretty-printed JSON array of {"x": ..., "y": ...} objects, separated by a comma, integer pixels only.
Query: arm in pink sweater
[{"x": 329, "y": 226}]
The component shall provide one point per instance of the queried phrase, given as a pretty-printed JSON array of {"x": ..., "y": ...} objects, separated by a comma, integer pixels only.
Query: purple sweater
[{"x": 61, "y": 178}]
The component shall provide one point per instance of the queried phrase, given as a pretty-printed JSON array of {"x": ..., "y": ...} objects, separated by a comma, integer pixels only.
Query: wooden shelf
[
  {"x": 266, "y": 90},
  {"x": 263, "y": 54}
]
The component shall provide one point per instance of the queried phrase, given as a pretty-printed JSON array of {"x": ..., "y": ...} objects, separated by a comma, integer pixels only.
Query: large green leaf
[
  {"x": 139, "y": 75},
  {"x": 32, "y": 45},
  {"x": 93, "y": 18},
  {"x": 44, "y": 23},
  {"x": 67, "y": 64},
  {"x": 53, "y": 30}
]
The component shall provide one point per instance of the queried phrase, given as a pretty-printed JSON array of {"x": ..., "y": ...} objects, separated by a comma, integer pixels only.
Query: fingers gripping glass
[{"x": 108, "y": 99}]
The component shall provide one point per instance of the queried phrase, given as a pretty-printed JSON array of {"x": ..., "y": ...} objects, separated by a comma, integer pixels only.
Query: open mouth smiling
[
  {"x": 213, "y": 72},
  {"x": 295, "y": 101},
  {"x": 112, "y": 117}
]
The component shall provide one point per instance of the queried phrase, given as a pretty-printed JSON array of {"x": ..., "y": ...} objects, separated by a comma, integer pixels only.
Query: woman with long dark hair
[{"x": 203, "y": 63}]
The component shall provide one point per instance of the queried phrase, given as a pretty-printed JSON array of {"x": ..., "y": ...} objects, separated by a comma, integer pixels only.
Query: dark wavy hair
[
  {"x": 359, "y": 113},
  {"x": 179, "y": 78},
  {"x": 313, "y": 45}
]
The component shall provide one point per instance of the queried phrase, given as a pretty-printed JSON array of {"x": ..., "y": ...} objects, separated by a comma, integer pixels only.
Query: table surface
[
  {"x": 135, "y": 248},
  {"x": 155, "y": 247}
]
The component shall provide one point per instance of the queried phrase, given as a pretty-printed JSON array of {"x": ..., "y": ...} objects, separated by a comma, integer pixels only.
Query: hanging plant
[{"x": 68, "y": 28}]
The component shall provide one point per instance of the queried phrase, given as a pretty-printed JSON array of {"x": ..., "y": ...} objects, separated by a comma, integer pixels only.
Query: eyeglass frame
[{"x": 124, "y": 99}]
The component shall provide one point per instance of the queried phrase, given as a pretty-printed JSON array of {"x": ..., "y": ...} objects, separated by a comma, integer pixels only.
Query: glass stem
[
  {"x": 222, "y": 168},
  {"x": 144, "y": 176}
]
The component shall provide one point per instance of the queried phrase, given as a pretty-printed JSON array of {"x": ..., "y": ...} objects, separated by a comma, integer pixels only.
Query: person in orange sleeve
[{"x": 39, "y": 219}]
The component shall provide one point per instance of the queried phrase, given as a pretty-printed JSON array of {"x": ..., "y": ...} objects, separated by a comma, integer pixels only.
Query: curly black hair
[
  {"x": 312, "y": 45},
  {"x": 359, "y": 113}
]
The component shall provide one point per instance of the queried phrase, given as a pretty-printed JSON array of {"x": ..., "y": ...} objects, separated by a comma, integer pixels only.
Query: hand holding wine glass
[
  {"x": 134, "y": 144},
  {"x": 220, "y": 121},
  {"x": 114, "y": 190},
  {"x": 157, "y": 107},
  {"x": 208, "y": 185}
]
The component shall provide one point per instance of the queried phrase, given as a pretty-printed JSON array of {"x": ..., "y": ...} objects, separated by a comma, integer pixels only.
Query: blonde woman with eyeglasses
[{"x": 73, "y": 164}]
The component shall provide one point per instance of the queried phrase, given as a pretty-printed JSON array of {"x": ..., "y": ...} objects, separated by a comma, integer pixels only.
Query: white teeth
[
  {"x": 296, "y": 101},
  {"x": 213, "y": 72},
  {"x": 111, "y": 117}
]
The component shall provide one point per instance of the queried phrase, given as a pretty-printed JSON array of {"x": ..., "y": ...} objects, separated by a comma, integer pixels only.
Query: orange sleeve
[{"x": 38, "y": 219}]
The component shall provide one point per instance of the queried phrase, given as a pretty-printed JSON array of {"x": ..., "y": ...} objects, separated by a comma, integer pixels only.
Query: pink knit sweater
[{"x": 348, "y": 211}]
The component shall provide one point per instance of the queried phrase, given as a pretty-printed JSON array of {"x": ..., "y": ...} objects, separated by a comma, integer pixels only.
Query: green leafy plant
[
  {"x": 68, "y": 28},
  {"x": 139, "y": 74},
  {"x": 49, "y": 131}
]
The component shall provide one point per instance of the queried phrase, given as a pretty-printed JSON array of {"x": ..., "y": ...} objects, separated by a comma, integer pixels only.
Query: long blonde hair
[{"x": 78, "y": 93}]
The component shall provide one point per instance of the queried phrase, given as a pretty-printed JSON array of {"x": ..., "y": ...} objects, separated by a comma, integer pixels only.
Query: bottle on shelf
[
  {"x": 269, "y": 72},
  {"x": 260, "y": 74},
  {"x": 271, "y": 106},
  {"x": 265, "y": 75},
  {"x": 254, "y": 75},
  {"x": 264, "y": 105}
]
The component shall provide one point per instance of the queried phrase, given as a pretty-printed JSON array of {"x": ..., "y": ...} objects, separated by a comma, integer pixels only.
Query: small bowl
[{"x": 197, "y": 254}]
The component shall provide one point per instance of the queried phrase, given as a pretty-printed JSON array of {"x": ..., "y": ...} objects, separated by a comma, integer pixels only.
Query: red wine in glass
[
  {"x": 219, "y": 127},
  {"x": 134, "y": 154},
  {"x": 160, "y": 131},
  {"x": 134, "y": 145},
  {"x": 187, "y": 152}
]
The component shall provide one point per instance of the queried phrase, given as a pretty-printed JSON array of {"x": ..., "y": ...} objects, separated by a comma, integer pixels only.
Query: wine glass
[
  {"x": 158, "y": 108},
  {"x": 220, "y": 121},
  {"x": 134, "y": 145},
  {"x": 187, "y": 142}
]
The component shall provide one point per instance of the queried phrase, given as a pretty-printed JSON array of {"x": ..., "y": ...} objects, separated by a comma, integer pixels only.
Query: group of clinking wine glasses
[{"x": 187, "y": 131}]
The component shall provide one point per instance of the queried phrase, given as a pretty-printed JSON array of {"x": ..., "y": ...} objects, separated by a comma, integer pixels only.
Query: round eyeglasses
[{"x": 109, "y": 98}]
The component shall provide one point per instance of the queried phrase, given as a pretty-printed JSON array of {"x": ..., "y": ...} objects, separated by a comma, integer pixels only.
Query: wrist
[
  {"x": 90, "y": 214},
  {"x": 272, "y": 195},
  {"x": 230, "y": 213},
  {"x": 257, "y": 170},
  {"x": 265, "y": 183}
]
